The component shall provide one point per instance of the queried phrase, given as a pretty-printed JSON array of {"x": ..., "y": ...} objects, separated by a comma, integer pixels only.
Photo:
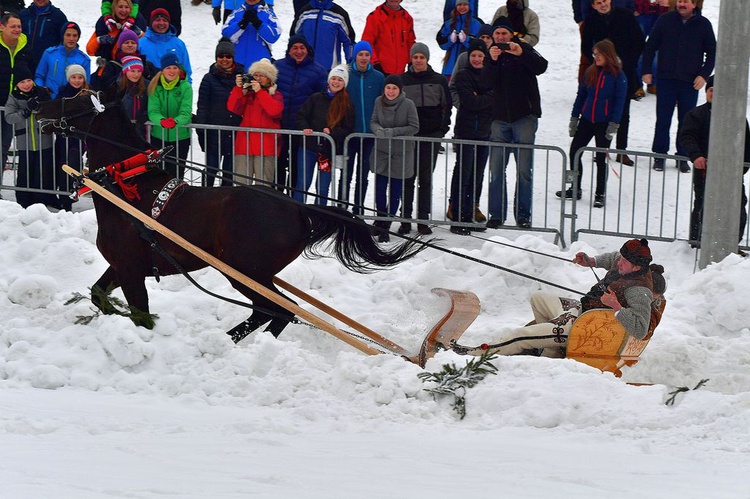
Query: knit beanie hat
[
  {"x": 127, "y": 35},
  {"x": 160, "y": 12},
  {"x": 131, "y": 62},
  {"x": 394, "y": 80},
  {"x": 298, "y": 38},
  {"x": 502, "y": 22},
  {"x": 22, "y": 72},
  {"x": 225, "y": 46},
  {"x": 637, "y": 252},
  {"x": 420, "y": 48},
  {"x": 67, "y": 26},
  {"x": 341, "y": 71},
  {"x": 476, "y": 44},
  {"x": 75, "y": 69},
  {"x": 169, "y": 59},
  {"x": 265, "y": 68},
  {"x": 461, "y": 1},
  {"x": 485, "y": 29},
  {"x": 360, "y": 46}
]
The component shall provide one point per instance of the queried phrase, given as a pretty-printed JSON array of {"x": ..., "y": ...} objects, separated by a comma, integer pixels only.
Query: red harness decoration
[{"x": 125, "y": 169}]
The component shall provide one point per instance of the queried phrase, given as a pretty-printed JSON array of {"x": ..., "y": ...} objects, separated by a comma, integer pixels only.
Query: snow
[{"x": 107, "y": 409}]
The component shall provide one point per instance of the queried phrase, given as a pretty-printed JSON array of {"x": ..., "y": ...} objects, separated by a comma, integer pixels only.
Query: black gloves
[
  {"x": 105, "y": 40},
  {"x": 217, "y": 14},
  {"x": 250, "y": 17},
  {"x": 33, "y": 104}
]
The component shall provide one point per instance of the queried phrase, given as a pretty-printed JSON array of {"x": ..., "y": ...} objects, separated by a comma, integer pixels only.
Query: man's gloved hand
[
  {"x": 33, "y": 104},
  {"x": 129, "y": 23},
  {"x": 110, "y": 23},
  {"x": 573, "y": 125},
  {"x": 250, "y": 17},
  {"x": 105, "y": 40},
  {"x": 453, "y": 37},
  {"x": 611, "y": 130},
  {"x": 217, "y": 14},
  {"x": 461, "y": 36},
  {"x": 168, "y": 122}
]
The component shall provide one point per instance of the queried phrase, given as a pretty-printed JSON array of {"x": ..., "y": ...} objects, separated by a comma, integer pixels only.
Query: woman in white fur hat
[{"x": 260, "y": 105}]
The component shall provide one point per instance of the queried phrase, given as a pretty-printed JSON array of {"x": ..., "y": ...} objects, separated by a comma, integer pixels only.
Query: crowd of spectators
[{"x": 334, "y": 84}]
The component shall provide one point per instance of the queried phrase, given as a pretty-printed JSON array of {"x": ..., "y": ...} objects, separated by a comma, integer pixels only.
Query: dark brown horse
[{"x": 255, "y": 230}]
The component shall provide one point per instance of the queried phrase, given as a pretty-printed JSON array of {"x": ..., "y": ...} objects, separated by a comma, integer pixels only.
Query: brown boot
[
  {"x": 478, "y": 215},
  {"x": 449, "y": 213},
  {"x": 624, "y": 159}
]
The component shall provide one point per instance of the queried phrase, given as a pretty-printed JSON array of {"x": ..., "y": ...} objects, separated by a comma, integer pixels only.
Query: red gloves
[
  {"x": 110, "y": 23},
  {"x": 129, "y": 23},
  {"x": 168, "y": 123}
]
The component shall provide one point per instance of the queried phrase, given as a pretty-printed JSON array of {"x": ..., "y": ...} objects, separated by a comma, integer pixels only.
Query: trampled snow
[{"x": 108, "y": 409}]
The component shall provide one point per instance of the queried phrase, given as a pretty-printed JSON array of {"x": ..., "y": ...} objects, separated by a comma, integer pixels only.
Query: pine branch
[
  {"x": 452, "y": 381},
  {"x": 680, "y": 389}
]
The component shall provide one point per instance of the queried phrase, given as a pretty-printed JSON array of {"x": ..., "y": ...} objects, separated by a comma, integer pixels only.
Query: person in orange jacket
[{"x": 390, "y": 30}]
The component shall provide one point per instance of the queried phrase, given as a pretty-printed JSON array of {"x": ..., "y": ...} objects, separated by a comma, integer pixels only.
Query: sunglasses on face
[{"x": 224, "y": 56}]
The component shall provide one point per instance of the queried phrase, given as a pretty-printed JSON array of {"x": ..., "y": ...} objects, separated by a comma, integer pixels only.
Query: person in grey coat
[{"x": 392, "y": 161}]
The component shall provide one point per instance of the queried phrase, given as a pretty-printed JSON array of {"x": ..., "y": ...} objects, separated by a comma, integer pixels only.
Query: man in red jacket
[{"x": 390, "y": 31}]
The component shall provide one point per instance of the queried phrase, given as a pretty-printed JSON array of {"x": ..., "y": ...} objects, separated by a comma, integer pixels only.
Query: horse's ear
[{"x": 109, "y": 94}]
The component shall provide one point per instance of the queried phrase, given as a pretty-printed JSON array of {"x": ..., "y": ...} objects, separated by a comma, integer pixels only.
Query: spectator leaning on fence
[
  {"x": 260, "y": 105},
  {"x": 50, "y": 72},
  {"x": 213, "y": 95},
  {"x": 253, "y": 28}
]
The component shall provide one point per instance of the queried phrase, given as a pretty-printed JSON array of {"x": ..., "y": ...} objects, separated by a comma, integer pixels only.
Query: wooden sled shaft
[{"x": 220, "y": 265}]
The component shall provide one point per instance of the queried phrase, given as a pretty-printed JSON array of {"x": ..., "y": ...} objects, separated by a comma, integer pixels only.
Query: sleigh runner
[{"x": 463, "y": 310}]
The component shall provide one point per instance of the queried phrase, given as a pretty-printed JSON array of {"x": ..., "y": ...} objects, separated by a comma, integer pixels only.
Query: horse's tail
[{"x": 353, "y": 244}]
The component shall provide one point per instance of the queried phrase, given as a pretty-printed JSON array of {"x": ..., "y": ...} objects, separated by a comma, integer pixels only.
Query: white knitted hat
[{"x": 341, "y": 71}]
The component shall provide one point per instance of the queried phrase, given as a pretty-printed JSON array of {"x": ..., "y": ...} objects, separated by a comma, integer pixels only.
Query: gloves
[
  {"x": 217, "y": 14},
  {"x": 324, "y": 164},
  {"x": 573, "y": 126},
  {"x": 105, "y": 40},
  {"x": 461, "y": 36},
  {"x": 101, "y": 62},
  {"x": 611, "y": 130},
  {"x": 453, "y": 37},
  {"x": 250, "y": 17},
  {"x": 168, "y": 123},
  {"x": 129, "y": 23},
  {"x": 25, "y": 113},
  {"x": 110, "y": 23},
  {"x": 33, "y": 104}
]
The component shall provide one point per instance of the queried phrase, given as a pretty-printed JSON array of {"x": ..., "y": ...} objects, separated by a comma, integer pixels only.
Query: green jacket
[{"x": 176, "y": 103}]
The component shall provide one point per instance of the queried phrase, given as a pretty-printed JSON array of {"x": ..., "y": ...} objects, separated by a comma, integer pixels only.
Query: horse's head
[{"x": 71, "y": 115}]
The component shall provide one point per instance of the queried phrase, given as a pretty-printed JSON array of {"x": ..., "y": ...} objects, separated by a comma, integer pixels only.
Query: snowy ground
[{"x": 111, "y": 410}]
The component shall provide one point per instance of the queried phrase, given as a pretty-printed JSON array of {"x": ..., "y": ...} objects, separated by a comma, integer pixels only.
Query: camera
[
  {"x": 247, "y": 78},
  {"x": 502, "y": 46}
]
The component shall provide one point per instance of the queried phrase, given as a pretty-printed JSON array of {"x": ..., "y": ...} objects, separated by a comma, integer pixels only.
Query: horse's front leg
[
  {"x": 134, "y": 289},
  {"x": 102, "y": 288}
]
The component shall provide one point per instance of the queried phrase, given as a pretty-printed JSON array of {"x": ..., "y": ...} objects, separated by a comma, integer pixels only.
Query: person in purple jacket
[{"x": 597, "y": 112}]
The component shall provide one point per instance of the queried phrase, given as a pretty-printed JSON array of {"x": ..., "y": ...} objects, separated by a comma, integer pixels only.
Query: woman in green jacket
[{"x": 170, "y": 108}]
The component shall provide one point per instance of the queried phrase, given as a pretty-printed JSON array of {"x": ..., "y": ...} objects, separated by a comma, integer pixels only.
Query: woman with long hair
[
  {"x": 455, "y": 34},
  {"x": 133, "y": 89},
  {"x": 331, "y": 112},
  {"x": 126, "y": 45},
  {"x": 596, "y": 114},
  {"x": 170, "y": 107}
]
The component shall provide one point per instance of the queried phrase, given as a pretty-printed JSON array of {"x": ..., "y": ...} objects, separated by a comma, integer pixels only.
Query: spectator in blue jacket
[
  {"x": 597, "y": 112},
  {"x": 365, "y": 85},
  {"x": 687, "y": 52},
  {"x": 229, "y": 7},
  {"x": 451, "y": 4},
  {"x": 253, "y": 28},
  {"x": 213, "y": 95},
  {"x": 41, "y": 22},
  {"x": 456, "y": 33},
  {"x": 50, "y": 72},
  {"x": 299, "y": 77},
  {"x": 172, "y": 6},
  {"x": 161, "y": 39},
  {"x": 328, "y": 28}
]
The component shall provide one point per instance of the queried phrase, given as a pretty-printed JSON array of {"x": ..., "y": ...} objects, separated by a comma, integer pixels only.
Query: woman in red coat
[{"x": 261, "y": 106}]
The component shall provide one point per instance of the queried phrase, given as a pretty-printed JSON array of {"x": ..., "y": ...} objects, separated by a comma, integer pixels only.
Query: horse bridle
[{"x": 62, "y": 124}]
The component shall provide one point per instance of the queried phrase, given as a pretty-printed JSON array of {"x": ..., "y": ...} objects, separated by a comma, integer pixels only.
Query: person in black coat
[
  {"x": 621, "y": 27},
  {"x": 473, "y": 122},
  {"x": 213, "y": 95},
  {"x": 693, "y": 138}
]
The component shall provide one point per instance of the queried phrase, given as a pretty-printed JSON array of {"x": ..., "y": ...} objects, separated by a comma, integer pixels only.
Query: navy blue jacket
[
  {"x": 364, "y": 88},
  {"x": 604, "y": 101},
  {"x": 296, "y": 83},
  {"x": 42, "y": 29},
  {"x": 213, "y": 95},
  {"x": 474, "y": 116},
  {"x": 686, "y": 50}
]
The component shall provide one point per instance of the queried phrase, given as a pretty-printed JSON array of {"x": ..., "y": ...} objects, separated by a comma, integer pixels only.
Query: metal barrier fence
[{"x": 640, "y": 202}]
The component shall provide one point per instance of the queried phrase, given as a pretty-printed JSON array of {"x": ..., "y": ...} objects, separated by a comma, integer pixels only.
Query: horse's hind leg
[
  {"x": 278, "y": 316},
  {"x": 244, "y": 328}
]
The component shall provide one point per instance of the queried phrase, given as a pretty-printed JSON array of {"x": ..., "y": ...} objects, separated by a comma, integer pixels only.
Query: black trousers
[{"x": 424, "y": 164}]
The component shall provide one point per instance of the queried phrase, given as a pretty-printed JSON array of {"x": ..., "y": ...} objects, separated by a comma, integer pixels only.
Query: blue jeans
[
  {"x": 307, "y": 159},
  {"x": 522, "y": 131},
  {"x": 647, "y": 22},
  {"x": 384, "y": 203},
  {"x": 362, "y": 148},
  {"x": 672, "y": 92}
]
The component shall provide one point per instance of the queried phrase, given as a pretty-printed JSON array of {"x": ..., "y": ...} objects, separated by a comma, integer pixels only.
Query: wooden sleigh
[
  {"x": 599, "y": 340},
  {"x": 464, "y": 307}
]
